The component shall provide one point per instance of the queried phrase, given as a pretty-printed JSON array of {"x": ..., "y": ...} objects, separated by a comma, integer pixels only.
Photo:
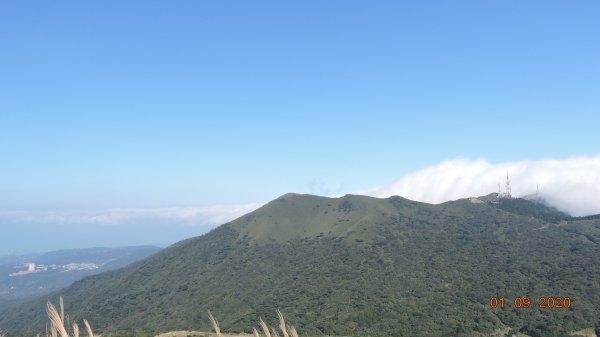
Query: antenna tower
[{"x": 508, "y": 191}]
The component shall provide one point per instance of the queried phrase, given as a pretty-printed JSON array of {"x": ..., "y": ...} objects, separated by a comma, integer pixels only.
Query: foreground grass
[
  {"x": 585, "y": 333},
  {"x": 186, "y": 333},
  {"x": 60, "y": 326},
  {"x": 272, "y": 332}
]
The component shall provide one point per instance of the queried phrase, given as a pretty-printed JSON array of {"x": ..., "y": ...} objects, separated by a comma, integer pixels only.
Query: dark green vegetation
[
  {"x": 356, "y": 266},
  {"x": 60, "y": 271},
  {"x": 531, "y": 208}
]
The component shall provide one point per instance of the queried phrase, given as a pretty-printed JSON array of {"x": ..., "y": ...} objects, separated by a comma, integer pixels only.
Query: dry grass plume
[
  {"x": 59, "y": 326},
  {"x": 265, "y": 328},
  {"x": 215, "y": 324},
  {"x": 272, "y": 332}
]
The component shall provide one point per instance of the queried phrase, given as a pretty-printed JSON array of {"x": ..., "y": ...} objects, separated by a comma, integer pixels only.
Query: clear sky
[{"x": 157, "y": 104}]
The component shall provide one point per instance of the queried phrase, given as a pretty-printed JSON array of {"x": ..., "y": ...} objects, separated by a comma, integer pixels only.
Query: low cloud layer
[
  {"x": 572, "y": 185},
  {"x": 192, "y": 216},
  {"x": 25, "y": 231}
]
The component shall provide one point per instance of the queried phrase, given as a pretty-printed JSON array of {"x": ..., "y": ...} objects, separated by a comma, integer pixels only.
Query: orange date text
[{"x": 551, "y": 302}]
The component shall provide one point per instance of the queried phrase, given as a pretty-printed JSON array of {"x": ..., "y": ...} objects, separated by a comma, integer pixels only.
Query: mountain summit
[{"x": 357, "y": 265}]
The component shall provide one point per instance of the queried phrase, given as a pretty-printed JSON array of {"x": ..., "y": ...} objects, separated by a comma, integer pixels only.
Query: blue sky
[{"x": 154, "y": 104}]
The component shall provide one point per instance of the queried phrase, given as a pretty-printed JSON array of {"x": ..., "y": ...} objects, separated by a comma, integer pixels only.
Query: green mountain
[{"x": 357, "y": 265}]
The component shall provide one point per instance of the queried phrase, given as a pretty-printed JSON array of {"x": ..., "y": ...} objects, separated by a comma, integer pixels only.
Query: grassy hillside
[{"x": 354, "y": 266}]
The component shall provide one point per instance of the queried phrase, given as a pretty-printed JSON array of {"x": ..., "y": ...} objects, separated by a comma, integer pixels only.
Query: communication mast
[{"x": 508, "y": 191}]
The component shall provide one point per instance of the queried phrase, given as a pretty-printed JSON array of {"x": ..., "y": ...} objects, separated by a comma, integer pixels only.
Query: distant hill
[
  {"x": 356, "y": 265},
  {"x": 58, "y": 269},
  {"x": 532, "y": 206}
]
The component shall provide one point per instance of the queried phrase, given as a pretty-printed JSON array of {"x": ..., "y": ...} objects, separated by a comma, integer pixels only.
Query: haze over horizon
[{"x": 146, "y": 123}]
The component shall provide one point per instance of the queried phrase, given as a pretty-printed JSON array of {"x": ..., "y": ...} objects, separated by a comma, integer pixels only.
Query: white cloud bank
[
  {"x": 193, "y": 216},
  {"x": 572, "y": 185}
]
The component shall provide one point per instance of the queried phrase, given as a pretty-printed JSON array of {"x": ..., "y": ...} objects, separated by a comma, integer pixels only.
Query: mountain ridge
[{"x": 355, "y": 265}]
